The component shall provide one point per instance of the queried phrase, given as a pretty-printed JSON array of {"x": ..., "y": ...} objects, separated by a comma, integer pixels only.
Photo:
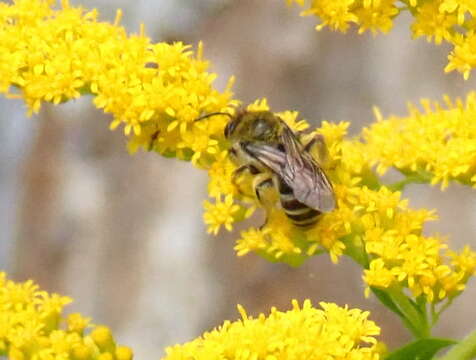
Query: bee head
[
  {"x": 255, "y": 126},
  {"x": 249, "y": 125}
]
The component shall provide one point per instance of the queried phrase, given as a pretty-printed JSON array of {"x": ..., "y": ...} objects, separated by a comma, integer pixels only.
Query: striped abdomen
[{"x": 300, "y": 214}]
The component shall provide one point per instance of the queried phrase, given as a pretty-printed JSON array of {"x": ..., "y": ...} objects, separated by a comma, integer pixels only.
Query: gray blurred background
[{"x": 123, "y": 235}]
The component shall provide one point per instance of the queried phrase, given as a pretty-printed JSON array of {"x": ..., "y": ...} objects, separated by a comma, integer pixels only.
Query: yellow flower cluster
[
  {"x": 438, "y": 20},
  {"x": 32, "y": 326},
  {"x": 416, "y": 262},
  {"x": 301, "y": 333},
  {"x": 155, "y": 90},
  {"x": 437, "y": 145},
  {"x": 373, "y": 15}
]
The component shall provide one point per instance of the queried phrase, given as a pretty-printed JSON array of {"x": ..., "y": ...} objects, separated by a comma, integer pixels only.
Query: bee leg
[
  {"x": 252, "y": 169},
  {"x": 262, "y": 184},
  {"x": 238, "y": 172},
  {"x": 153, "y": 138},
  {"x": 317, "y": 148}
]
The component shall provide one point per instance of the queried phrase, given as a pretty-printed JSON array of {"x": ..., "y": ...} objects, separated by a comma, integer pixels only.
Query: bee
[{"x": 266, "y": 147}]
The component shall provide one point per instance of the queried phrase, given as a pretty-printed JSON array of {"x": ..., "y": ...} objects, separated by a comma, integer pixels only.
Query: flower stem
[
  {"x": 414, "y": 319},
  {"x": 411, "y": 178},
  {"x": 464, "y": 350}
]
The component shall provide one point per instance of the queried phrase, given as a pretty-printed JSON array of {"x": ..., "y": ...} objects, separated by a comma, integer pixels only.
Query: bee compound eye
[
  {"x": 227, "y": 130},
  {"x": 230, "y": 127},
  {"x": 261, "y": 128}
]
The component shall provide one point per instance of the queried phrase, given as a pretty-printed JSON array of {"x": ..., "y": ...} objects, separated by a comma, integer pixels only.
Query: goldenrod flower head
[
  {"x": 222, "y": 212},
  {"x": 376, "y": 15},
  {"x": 417, "y": 262},
  {"x": 378, "y": 275},
  {"x": 291, "y": 118},
  {"x": 332, "y": 332},
  {"x": 462, "y": 58},
  {"x": 461, "y": 6},
  {"x": 258, "y": 105},
  {"x": 337, "y": 14},
  {"x": 155, "y": 90},
  {"x": 31, "y": 326},
  {"x": 438, "y": 143},
  {"x": 77, "y": 322},
  {"x": 252, "y": 240},
  {"x": 465, "y": 261},
  {"x": 123, "y": 353},
  {"x": 432, "y": 23},
  {"x": 102, "y": 336},
  {"x": 221, "y": 176},
  {"x": 373, "y": 15}
]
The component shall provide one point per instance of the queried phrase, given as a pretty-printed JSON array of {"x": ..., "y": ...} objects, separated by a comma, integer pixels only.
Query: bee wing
[
  {"x": 304, "y": 175},
  {"x": 267, "y": 155},
  {"x": 298, "y": 170}
]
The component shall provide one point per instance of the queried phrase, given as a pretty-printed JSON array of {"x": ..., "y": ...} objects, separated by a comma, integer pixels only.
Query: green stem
[
  {"x": 464, "y": 350},
  {"x": 443, "y": 308},
  {"x": 413, "y": 316},
  {"x": 414, "y": 178},
  {"x": 415, "y": 320},
  {"x": 356, "y": 251}
]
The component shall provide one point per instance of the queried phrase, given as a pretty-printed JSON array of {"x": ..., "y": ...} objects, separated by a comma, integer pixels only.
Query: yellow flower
[
  {"x": 432, "y": 23},
  {"x": 77, "y": 322},
  {"x": 258, "y": 105},
  {"x": 376, "y": 15},
  {"x": 378, "y": 275},
  {"x": 465, "y": 261},
  {"x": 221, "y": 177},
  {"x": 200, "y": 143},
  {"x": 220, "y": 213},
  {"x": 291, "y": 119},
  {"x": 335, "y": 14},
  {"x": 30, "y": 326},
  {"x": 462, "y": 58},
  {"x": 329, "y": 333},
  {"x": 252, "y": 240},
  {"x": 282, "y": 235},
  {"x": 437, "y": 145},
  {"x": 462, "y": 6}
]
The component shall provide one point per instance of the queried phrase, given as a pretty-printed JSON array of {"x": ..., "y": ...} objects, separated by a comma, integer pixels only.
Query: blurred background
[{"x": 123, "y": 235}]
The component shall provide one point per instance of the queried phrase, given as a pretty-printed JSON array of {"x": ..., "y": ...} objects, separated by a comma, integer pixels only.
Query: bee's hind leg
[
  {"x": 238, "y": 172},
  {"x": 316, "y": 146},
  {"x": 261, "y": 183},
  {"x": 265, "y": 193}
]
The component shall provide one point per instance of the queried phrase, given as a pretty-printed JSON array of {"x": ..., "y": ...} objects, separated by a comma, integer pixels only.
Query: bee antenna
[{"x": 213, "y": 114}]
